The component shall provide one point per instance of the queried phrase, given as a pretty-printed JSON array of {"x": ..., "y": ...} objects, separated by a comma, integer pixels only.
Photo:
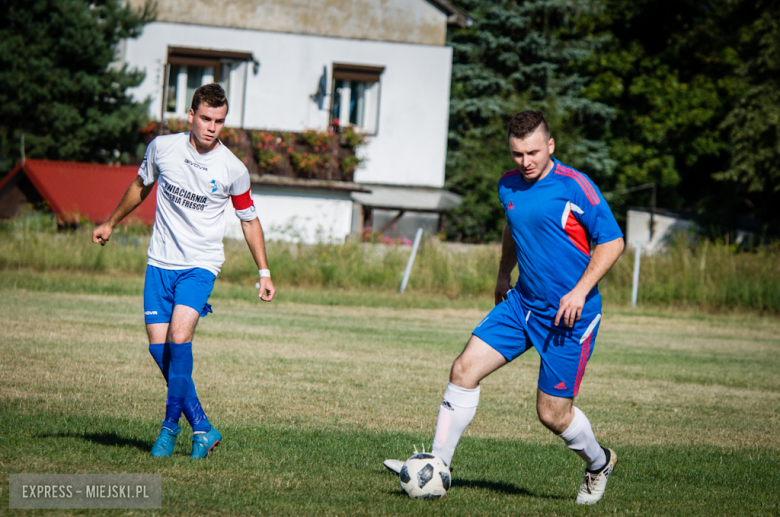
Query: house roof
[
  {"x": 421, "y": 22},
  {"x": 75, "y": 190},
  {"x": 455, "y": 16}
]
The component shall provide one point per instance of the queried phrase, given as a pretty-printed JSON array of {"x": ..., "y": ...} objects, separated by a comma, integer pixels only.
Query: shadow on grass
[
  {"x": 107, "y": 439},
  {"x": 505, "y": 488}
]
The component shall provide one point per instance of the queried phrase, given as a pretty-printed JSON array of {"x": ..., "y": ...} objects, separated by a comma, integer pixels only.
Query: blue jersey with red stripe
[{"x": 553, "y": 222}]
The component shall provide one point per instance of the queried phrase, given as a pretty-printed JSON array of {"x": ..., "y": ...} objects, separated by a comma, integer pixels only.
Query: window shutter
[
  {"x": 204, "y": 57},
  {"x": 367, "y": 74}
]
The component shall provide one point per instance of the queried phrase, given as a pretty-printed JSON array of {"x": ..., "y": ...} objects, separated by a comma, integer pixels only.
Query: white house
[{"x": 380, "y": 66}]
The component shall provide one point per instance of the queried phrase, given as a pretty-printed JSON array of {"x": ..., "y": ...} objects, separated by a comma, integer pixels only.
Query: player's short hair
[
  {"x": 212, "y": 95},
  {"x": 526, "y": 122}
]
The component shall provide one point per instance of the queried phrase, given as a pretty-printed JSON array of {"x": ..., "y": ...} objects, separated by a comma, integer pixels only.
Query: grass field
[{"x": 313, "y": 391}]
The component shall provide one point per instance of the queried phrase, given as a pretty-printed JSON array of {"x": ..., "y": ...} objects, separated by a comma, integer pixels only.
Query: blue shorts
[
  {"x": 165, "y": 288},
  {"x": 511, "y": 330}
]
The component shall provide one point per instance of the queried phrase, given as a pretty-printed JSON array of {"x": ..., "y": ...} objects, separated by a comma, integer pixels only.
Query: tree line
[{"x": 680, "y": 93}]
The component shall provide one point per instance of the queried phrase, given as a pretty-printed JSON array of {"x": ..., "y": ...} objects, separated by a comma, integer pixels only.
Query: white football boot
[
  {"x": 595, "y": 483},
  {"x": 393, "y": 465}
]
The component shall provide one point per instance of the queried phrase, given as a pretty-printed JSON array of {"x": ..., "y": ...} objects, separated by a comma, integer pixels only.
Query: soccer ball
[{"x": 425, "y": 476}]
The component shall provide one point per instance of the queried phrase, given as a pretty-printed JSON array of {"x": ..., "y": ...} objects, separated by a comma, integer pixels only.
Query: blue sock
[
  {"x": 182, "y": 396},
  {"x": 158, "y": 351},
  {"x": 195, "y": 415},
  {"x": 179, "y": 379}
]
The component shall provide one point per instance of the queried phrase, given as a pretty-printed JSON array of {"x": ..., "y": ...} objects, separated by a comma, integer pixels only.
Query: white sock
[
  {"x": 455, "y": 415},
  {"x": 579, "y": 437}
]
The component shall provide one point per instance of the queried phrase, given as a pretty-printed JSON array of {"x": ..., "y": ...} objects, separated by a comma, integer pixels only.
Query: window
[
  {"x": 188, "y": 69},
  {"x": 356, "y": 97}
]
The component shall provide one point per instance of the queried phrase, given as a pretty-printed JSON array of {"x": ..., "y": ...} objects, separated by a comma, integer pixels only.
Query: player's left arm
[
  {"x": 241, "y": 196},
  {"x": 603, "y": 258},
  {"x": 593, "y": 213},
  {"x": 253, "y": 233}
]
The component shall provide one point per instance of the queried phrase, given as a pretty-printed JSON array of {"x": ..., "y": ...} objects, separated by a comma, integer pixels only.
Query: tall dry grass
[
  {"x": 704, "y": 274},
  {"x": 708, "y": 275}
]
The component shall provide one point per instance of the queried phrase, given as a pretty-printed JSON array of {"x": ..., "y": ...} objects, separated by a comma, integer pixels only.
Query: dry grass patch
[{"x": 653, "y": 379}]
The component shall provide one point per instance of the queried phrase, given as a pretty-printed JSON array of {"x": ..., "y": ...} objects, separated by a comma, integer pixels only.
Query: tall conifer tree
[
  {"x": 517, "y": 55},
  {"x": 57, "y": 82}
]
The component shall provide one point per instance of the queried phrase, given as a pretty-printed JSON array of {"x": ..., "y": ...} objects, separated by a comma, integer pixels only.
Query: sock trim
[
  {"x": 607, "y": 455},
  {"x": 461, "y": 397}
]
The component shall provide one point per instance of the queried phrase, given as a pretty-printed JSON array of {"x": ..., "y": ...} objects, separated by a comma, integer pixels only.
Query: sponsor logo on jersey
[
  {"x": 510, "y": 206},
  {"x": 150, "y": 313},
  {"x": 196, "y": 165},
  {"x": 185, "y": 198},
  {"x": 561, "y": 386},
  {"x": 446, "y": 405}
]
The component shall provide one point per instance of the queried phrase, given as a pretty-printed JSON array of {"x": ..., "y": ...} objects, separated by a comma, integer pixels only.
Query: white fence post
[
  {"x": 409, "y": 264},
  {"x": 635, "y": 283}
]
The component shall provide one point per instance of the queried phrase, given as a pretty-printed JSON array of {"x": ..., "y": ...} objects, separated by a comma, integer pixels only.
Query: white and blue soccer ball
[{"x": 425, "y": 476}]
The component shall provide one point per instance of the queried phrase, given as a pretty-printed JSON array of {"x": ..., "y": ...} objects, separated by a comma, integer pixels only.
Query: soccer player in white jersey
[
  {"x": 553, "y": 214},
  {"x": 197, "y": 176}
]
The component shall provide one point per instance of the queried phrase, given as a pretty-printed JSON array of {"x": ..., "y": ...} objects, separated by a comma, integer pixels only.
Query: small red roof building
[{"x": 73, "y": 190}]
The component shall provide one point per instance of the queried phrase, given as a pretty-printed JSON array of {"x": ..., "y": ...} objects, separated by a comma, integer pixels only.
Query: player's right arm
[
  {"x": 134, "y": 196},
  {"x": 508, "y": 263}
]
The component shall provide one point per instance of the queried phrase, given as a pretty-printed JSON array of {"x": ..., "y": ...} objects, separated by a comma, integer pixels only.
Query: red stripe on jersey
[
  {"x": 510, "y": 173},
  {"x": 584, "y": 354},
  {"x": 588, "y": 185},
  {"x": 577, "y": 234},
  {"x": 242, "y": 201},
  {"x": 590, "y": 193},
  {"x": 579, "y": 174}
]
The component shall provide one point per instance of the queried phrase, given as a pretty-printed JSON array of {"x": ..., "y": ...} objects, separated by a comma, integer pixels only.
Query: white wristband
[{"x": 265, "y": 273}]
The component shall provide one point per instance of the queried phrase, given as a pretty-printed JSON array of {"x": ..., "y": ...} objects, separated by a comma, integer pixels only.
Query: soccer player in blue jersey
[
  {"x": 553, "y": 213},
  {"x": 197, "y": 176}
]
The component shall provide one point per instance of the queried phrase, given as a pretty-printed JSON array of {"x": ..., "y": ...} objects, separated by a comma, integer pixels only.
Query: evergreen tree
[
  {"x": 669, "y": 70},
  {"x": 517, "y": 55},
  {"x": 57, "y": 85}
]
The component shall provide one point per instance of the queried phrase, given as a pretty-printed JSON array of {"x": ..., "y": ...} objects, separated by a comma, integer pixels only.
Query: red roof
[{"x": 89, "y": 190}]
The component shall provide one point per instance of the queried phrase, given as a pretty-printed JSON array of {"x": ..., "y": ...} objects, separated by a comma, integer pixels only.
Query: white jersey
[{"x": 192, "y": 194}]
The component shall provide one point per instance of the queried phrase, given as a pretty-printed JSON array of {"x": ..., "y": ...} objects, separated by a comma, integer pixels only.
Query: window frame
[
  {"x": 356, "y": 73},
  {"x": 207, "y": 58}
]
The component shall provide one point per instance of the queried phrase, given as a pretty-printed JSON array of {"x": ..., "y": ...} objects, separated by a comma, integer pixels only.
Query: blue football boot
[
  {"x": 204, "y": 443},
  {"x": 165, "y": 443}
]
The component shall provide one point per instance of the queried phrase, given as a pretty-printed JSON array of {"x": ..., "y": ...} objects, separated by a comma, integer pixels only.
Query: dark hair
[
  {"x": 526, "y": 122},
  {"x": 211, "y": 95}
]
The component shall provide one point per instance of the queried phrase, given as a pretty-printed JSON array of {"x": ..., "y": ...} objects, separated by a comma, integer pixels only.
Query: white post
[
  {"x": 409, "y": 264},
  {"x": 635, "y": 283}
]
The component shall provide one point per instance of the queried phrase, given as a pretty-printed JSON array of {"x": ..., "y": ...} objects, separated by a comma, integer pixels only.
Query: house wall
[
  {"x": 410, "y": 145},
  {"x": 405, "y": 21},
  {"x": 297, "y": 215}
]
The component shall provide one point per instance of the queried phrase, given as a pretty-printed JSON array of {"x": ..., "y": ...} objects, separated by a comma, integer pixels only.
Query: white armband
[{"x": 265, "y": 273}]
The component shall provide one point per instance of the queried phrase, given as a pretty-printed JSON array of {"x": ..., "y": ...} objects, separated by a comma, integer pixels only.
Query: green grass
[{"x": 312, "y": 397}]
